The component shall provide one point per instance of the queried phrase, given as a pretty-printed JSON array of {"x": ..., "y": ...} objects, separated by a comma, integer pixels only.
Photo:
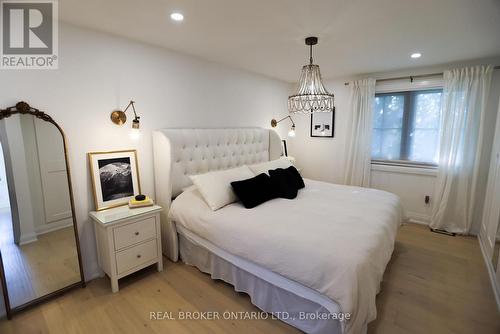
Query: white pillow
[
  {"x": 189, "y": 188},
  {"x": 264, "y": 167},
  {"x": 215, "y": 187}
]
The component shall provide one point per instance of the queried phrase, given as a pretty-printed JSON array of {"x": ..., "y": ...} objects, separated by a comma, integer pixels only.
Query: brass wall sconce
[
  {"x": 291, "y": 133},
  {"x": 119, "y": 118}
]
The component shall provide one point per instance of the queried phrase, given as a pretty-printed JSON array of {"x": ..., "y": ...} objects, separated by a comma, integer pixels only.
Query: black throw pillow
[
  {"x": 299, "y": 182},
  {"x": 254, "y": 191},
  {"x": 284, "y": 183}
]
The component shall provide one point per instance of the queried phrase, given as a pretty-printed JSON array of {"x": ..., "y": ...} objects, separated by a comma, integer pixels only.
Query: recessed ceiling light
[
  {"x": 176, "y": 16},
  {"x": 416, "y": 55}
]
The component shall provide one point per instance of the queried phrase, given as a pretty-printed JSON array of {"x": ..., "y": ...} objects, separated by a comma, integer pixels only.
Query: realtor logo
[{"x": 29, "y": 34}]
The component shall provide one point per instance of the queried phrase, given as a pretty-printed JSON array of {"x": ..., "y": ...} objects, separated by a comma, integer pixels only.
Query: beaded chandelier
[{"x": 311, "y": 96}]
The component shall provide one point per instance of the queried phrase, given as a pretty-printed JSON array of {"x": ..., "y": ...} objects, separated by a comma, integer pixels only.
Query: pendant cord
[{"x": 310, "y": 54}]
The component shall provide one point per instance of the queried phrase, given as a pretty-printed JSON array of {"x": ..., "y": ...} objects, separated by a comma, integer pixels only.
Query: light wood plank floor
[{"x": 433, "y": 284}]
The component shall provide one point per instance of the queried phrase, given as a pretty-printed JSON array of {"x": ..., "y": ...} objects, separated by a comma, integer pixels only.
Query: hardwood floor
[
  {"x": 436, "y": 284},
  {"x": 433, "y": 284}
]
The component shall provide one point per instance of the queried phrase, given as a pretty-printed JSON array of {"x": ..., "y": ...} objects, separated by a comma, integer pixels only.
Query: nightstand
[
  {"x": 292, "y": 160},
  {"x": 127, "y": 240}
]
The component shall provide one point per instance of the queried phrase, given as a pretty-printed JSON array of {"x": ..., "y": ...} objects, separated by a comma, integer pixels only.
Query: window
[{"x": 406, "y": 126}]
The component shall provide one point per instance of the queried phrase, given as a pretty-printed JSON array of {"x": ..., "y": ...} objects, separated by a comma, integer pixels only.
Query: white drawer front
[
  {"x": 135, "y": 256},
  {"x": 134, "y": 233}
]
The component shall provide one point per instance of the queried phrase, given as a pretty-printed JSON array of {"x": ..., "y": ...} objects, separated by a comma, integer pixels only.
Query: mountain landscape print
[{"x": 116, "y": 178}]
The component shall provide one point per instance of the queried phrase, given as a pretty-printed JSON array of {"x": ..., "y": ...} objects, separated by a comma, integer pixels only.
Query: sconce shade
[{"x": 135, "y": 123}]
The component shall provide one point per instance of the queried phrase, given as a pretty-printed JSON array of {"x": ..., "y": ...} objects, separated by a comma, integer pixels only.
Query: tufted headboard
[{"x": 179, "y": 153}]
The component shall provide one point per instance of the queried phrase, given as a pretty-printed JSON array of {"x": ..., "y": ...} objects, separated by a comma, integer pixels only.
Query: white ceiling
[{"x": 266, "y": 36}]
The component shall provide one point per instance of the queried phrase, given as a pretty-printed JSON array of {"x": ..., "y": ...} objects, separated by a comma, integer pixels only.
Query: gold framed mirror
[{"x": 39, "y": 246}]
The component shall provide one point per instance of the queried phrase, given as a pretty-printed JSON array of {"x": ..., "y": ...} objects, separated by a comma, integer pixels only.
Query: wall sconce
[
  {"x": 119, "y": 118},
  {"x": 291, "y": 133}
]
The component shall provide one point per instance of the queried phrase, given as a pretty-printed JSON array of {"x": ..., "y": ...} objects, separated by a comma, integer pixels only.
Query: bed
[{"x": 315, "y": 262}]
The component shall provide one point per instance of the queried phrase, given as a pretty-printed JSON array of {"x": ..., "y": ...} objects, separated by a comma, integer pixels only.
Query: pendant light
[{"x": 311, "y": 96}]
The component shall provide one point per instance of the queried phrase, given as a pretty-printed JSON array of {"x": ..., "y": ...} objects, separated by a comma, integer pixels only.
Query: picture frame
[
  {"x": 323, "y": 124},
  {"x": 284, "y": 151},
  {"x": 115, "y": 178}
]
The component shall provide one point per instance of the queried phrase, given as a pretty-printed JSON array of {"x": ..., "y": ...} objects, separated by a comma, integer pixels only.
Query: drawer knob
[
  {"x": 136, "y": 233},
  {"x": 138, "y": 256}
]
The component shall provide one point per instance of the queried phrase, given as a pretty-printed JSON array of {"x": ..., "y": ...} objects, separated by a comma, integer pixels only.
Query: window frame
[{"x": 407, "y": 123}]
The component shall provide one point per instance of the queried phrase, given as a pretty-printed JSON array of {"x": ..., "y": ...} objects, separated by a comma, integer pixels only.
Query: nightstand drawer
[
  {"x": 134, "y": 233},
  {"x": 135, "y": 256}
]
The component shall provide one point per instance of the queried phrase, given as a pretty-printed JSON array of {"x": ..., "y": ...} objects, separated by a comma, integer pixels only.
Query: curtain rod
[{"x": 411, "y": 77}]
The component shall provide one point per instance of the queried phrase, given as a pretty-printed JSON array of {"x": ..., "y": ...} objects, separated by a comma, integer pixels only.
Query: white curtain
[
  {"x": 359, "y": 133},
  {"x": 465, "y": 96}
]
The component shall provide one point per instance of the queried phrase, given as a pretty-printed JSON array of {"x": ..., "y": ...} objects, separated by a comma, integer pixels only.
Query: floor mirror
[{"x": 39, "y": 246}]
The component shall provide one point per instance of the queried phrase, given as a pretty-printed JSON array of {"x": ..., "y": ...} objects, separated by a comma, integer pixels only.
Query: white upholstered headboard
[{"x": 179, "y": 153}]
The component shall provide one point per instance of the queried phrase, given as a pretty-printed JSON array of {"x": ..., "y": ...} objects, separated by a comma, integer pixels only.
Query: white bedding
[{"x": 334, "y": 239}]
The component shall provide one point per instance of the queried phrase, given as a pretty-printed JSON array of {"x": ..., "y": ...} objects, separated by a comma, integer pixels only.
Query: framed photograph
[
  {"x": 115, "y": 178},
  {"x": 323, "y": 124},
  {"x": 284, "y": 151}
]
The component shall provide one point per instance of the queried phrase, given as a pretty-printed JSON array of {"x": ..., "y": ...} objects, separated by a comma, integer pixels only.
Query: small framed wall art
[
  {"x": 284, "y": 150},
  {"x": 323, "y": 124},
  {"x": 115, "y": 178}
]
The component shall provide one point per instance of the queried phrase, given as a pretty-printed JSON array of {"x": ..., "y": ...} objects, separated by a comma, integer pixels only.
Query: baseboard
[
  {"x": 93, "y": 272},
  {"x": 42, "y": 229},
  {"x": 491, "y": 273},
  {"x": 94, "y": 275},
  {"x": 47, "y": 228},
  {"x": 416, "y": 221},
  {"x": 418, "y": 218},
  {"x": 27, "y": 238}
]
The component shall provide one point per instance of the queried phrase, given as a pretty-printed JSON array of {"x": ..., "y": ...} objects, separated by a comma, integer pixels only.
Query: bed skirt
[{"x": 285, "y": 305}]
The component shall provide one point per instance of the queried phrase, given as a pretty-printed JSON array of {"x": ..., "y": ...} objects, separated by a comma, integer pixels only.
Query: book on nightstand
[{"x": 140, "y": 201}]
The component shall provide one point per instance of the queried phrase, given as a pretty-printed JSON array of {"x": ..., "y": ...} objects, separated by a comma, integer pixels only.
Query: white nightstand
[
  {"x": 127, "y": 240},
  {"x": 292, "y": 160}
]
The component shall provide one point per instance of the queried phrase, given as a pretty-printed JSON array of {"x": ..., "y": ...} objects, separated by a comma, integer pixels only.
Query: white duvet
[{"x": 332, "y": 238}]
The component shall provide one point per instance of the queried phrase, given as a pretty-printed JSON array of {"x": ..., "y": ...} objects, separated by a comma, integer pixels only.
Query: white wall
[
  {"x": 490, "y": 233},
  {"x": 98, "y": 73},
  {"x": 320, "y": 158},
  {"x": 323, "y": 158},
  {"x": 412, "y": 185}
]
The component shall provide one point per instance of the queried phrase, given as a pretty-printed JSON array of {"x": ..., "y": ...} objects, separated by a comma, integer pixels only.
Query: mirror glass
[{"x": 37, "y": 238}]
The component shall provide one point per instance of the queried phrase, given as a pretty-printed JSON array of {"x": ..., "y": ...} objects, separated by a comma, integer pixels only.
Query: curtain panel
[
  {"x": 465, "y": 96},
  {"x": 359, "y": 133}
]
